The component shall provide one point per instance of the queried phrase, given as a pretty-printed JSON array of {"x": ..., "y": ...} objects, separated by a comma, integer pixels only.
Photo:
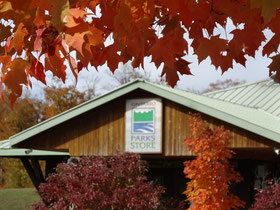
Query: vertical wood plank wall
[
  {"x": 102, "y": 131},
  {"x": 175, "y": 129}
]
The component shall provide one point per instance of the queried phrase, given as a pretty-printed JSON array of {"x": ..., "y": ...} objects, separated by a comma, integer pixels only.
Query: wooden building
[{"x": 152, "y": 119}]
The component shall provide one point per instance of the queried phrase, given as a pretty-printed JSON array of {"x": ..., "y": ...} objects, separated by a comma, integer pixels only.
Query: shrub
[
  {"x": 267, "y": 198},
  {"x": 100, "y": 183},
  {"x": 172, "y": 204}
]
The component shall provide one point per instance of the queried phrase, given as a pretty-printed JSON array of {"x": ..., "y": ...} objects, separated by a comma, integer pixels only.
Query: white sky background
[{"x": 203, "y": 73}]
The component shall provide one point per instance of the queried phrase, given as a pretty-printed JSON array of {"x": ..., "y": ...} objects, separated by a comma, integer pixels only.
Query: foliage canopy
[
  {"x": 38, "y": 35},
  {"x": 210, "y": 173}
]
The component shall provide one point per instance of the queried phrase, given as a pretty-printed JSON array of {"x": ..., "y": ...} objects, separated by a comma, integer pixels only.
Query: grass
[{"x": 18, "y": 198}]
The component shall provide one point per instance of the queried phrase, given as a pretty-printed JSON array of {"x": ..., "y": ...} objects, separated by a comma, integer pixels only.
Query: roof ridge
[{"x": 172, "y": 88}]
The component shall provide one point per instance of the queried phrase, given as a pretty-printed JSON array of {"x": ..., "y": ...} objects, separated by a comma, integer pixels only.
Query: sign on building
[{"x": 143, "y": 122}]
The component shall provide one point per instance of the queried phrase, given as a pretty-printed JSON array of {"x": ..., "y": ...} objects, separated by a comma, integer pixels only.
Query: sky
[{"x": 204, "y": 73}]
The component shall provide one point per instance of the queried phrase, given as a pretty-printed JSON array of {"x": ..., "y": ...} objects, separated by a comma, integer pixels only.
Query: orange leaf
[
  {"x": 113, "y": 58},
  {"x": 55, "y": 64},
  {"x": 5, "y": 60},
  {"x": 171, "y": 75},
  {"x": 40, "y": 17},
  {"x": 210, "y": 47},
  {"x": 182, "y": 66},
  {"x": 124, "y": 19},
  {"x": 95, "y": 37},
  {"x": 70, "y": 21},
  {"x": 251, "y": 37},
  {"x": 60, "y": 10},
  {"x": 75, "y": 17},
  {"x": 78, "y": 13},
  {"x": 17, "y": 42},
  {"x": 161, "y": 51},
  {"x": 272, "y": 45},
  {"x": 75, "y": 41},
  {"x": 37, "y": 70},
  {"x": 44, "y": 4},
  {"x": 170, "y": 46},
  {"x": 173, "y": 8},
  {"x": 5, "y": 6},
  {"x": 14, "y": 78},
  {"x": 275, "y": 66},
  {"x": 268, "y": 7}
]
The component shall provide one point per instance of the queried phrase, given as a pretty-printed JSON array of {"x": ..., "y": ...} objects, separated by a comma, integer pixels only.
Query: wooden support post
[
  {"x": 30, "y": 172},
  {"x": 37, "y": 169},
  {"x": 51, "y": 164},
  {"x": 35, "y": 174}
]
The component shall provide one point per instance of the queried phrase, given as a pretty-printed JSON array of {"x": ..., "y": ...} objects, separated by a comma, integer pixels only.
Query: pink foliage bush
[
  {"x": 100, "y": 183},
  {"x": 268, "y": 198},
  {"x": 172, "y": 204}
]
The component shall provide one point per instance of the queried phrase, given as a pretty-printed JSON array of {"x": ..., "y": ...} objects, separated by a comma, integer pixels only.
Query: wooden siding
[
  {"x": 176, "y": 129},
  {"x": 98, "y": 132},
  {"x": 102, "y": 131}
]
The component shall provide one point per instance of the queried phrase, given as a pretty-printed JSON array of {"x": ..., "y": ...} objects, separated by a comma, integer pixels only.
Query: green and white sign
[{"x": 143, "y": 125}]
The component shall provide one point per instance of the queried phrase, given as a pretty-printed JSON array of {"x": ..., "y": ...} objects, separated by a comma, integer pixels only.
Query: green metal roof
[
  {"x": 263, "y": 95},
  {"x": 254, "y": 120},
  {"x": 7, "y": 151}
]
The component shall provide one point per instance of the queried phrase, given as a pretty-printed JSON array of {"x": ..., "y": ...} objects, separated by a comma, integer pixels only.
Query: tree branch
[{"x": 161, "y": 19}]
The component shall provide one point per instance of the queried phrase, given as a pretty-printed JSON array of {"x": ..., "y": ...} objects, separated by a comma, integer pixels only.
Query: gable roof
[
  {"x": 263, "y": 95},
  {"x": 254, "y": 120}
]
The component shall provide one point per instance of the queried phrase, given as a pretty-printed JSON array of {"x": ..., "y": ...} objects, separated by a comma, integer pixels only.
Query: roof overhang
[
  {"x": 16, "y": 152},
  {"x": 7, "y": 151}
]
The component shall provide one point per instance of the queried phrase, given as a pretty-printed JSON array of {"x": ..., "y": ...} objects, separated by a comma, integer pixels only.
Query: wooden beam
[
  {"x": 51, "y": 164},
  {"x": 35, "y": 173},
  {"x": 37, "y": 169},
  {"x": 31, "y": 172}
]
